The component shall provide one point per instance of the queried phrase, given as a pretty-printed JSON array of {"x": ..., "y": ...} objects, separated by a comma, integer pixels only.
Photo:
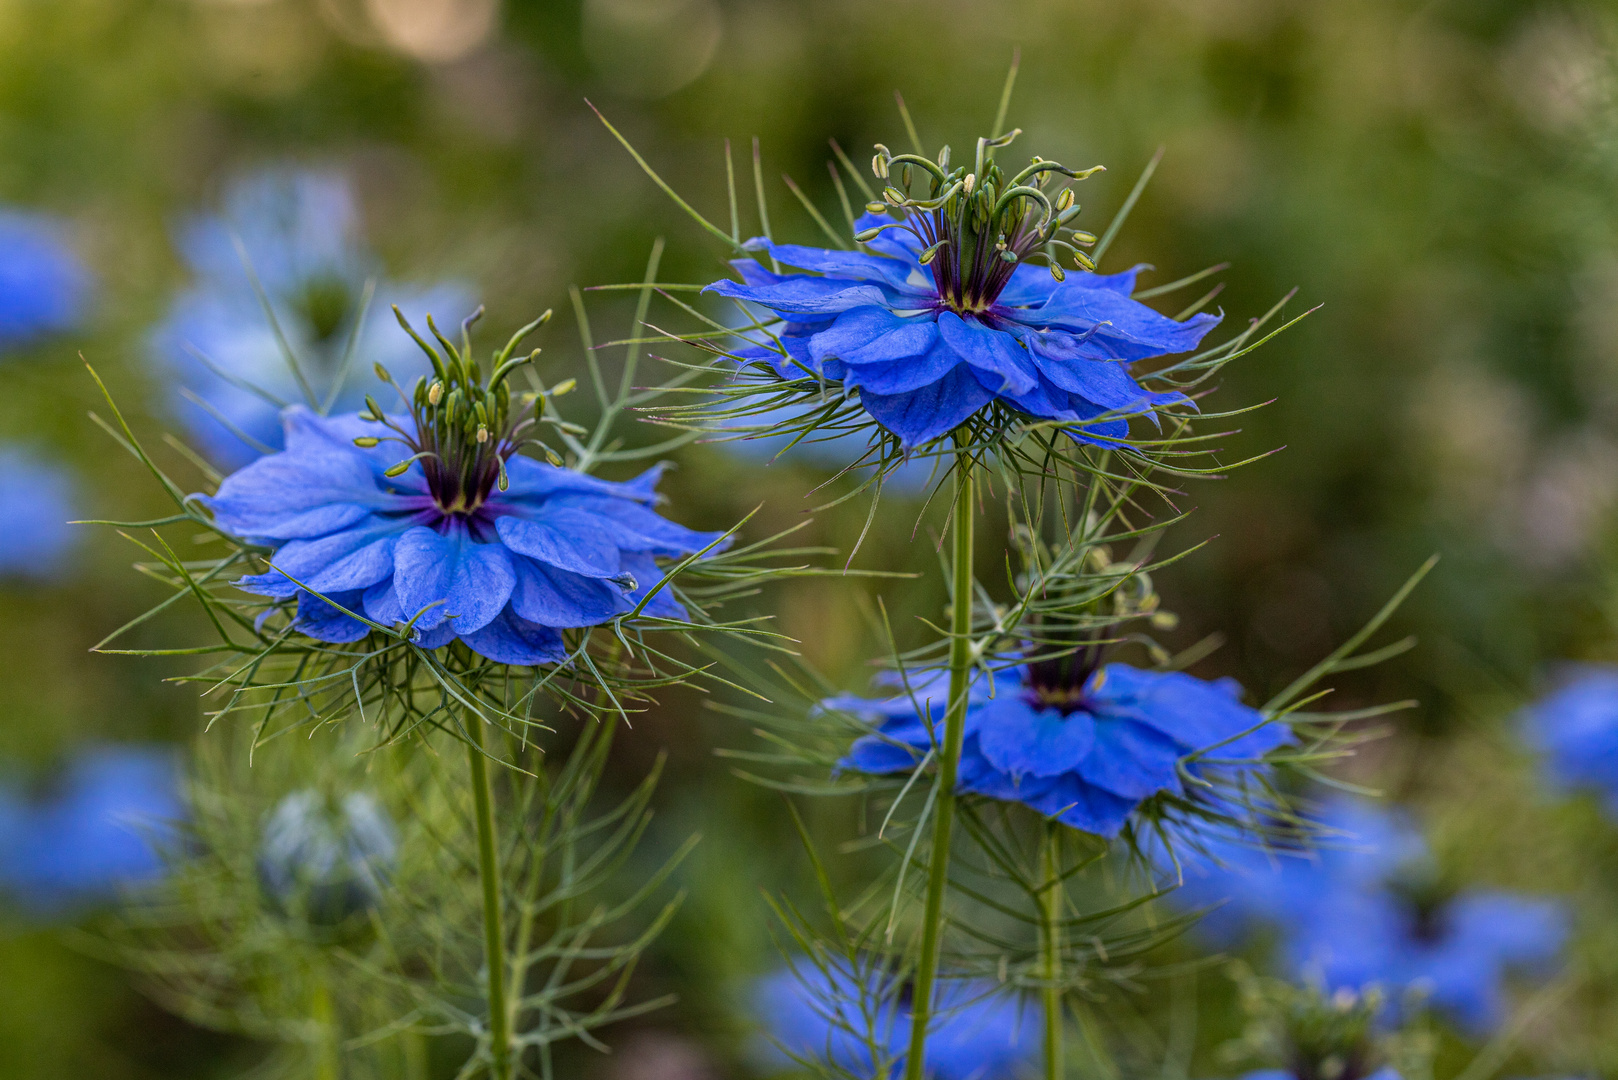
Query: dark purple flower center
[
  {"x": 1425, "y": 901},
  {"x": 1066, "y": 682},
  {"x": 976, "y": 227},
  {"x": 462, "y": 430}
]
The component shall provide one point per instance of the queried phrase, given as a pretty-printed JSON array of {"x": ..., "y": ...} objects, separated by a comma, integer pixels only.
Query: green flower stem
[
  {"x": 494, "y": 938},
  {"x": 960, "y": 667},
  {"x": 1050, "y": 949},
  {"x": 328, "y": 1063}
]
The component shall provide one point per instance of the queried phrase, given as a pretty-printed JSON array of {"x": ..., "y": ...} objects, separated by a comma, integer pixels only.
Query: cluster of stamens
[
  {"x": 463, "y": 429},
  {"x": 976, "y": 227}
]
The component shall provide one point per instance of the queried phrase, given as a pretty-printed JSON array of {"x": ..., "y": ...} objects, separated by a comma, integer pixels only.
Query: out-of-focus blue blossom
[
  {"x": 299, "y": 232},
  {"x": 99, "y": 830},
  {"x": 1083, "y": 745},
  {"x": 927, "y": 350},
  {"x": 506, "y": 569},
  {"x": 36, "y": 504},
  {"x": 43, "y": 285},
  {"x": 1348, "y": 914},
  {"x": 326, "y": 862},
  {"x": 834, "y": 1015},
  {"x": 1576, "y": 728}
]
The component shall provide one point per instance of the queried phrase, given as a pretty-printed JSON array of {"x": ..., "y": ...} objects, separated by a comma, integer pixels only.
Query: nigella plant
[
  {"x": 37, "y": 500},
  {"x": 1365, "y": 905},
  {"x": 1575, "y": 727},
  {"x": 448, "y": 565},
  {"x": 1302, "y": 1032},
  {"x": 286, "y": 305}
]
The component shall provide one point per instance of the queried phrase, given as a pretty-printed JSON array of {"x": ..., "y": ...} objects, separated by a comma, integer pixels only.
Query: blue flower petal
[
  {"x": 1131, "y": 760},
  {"x": 874, "y": 335},
  {"x": 991, "y": 352},
  {"x": 323, "y": 622},
  {"x": 904, "y": 275},
  {"x": 473, "y": 580},
  {"x": 923, "y": 415},
  {"x": 568, "y": 539},
  {"x": 552, "y": 597},
  {"x": 804, "y": 295},
  {"x": 1021, "y": 739},
  {"x": 508, "y": 639}
]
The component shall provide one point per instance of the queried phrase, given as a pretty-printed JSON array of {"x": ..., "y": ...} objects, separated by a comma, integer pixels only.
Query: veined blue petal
[
  {"x": 1032, "y": 286},
  {"x": 567, "y": 539},
  {"x": 901, "y": 274},
  {"x": 646, "y": 573},
  {"x": 323, "y": 622},
  {"x": 904, "y": 376},
  {"x": 1020, "y": 739},
  {"x": 1133, "y": 331},
  {"x": 473, "y": 579},
  {"x": 990, "y": 351},
  {"x": 1131, "y": 760},
  {"x": 551, "y": 597},
  {"x": 804, "y": 295},
  {"x": 932, "y": 411},
  {"x": 873, "y": 335},
  {"x": 508, "y": 639}
]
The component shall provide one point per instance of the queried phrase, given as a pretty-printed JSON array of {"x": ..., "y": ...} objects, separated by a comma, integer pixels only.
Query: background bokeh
[{"x": 1439, "y": 176}]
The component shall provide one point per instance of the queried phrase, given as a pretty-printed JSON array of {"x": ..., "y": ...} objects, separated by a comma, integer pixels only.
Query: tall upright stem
[
  {"x": 494, "y": 937},
  {"x": 960, "y": 669},
  {"x": 328, "y": 1054},
  {"x": 1050, "y": 948}
]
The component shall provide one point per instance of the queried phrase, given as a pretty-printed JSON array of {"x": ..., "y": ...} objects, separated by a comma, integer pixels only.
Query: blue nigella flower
[
  {"x": 1576, "y": 727},
  {"x": 1243, "y": 883},
  {"x": 43, "y": 285},
  {"x": 326, "y": 861},
  {"x": 834, "y": 1015},
  {"x": 299, "y": 232},
  {"x": 1363, "y": 911},
  {"x": 95, "y": 833},
  {"x": 1081, "y": 744},
  {"x": 503, "y": 568},
  {"x": 36, "y": 504},
  {"x": 943, "y": 312}
]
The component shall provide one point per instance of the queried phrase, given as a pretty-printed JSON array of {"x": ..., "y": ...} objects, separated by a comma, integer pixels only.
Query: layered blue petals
[
  {"x": 1090, "y": 766},
  {"x": 1051, "y": 350},
  {"x": 556, "y": 550},
  {"x": 300, "y": 234}
]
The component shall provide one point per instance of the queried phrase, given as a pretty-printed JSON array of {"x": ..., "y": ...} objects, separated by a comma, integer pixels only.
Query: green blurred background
[{"x": 1440, "y": 176}]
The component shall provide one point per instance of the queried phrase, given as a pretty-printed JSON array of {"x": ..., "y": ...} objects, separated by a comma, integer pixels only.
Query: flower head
[
  {"x": 835, "y": 1015},
  {"x": 1576, "y": 727},
  {"x": 1085, "y": 745},
  {"x": 36, "y": 504},
  {"x": 297, "y": 234},
  {"x": 94, "y": 834},
  {"x": 943, "y": 311},
  {"x": 1367, "y": 909},
  {"x": 433, "y": 518},
  {"x": 43, "y": 285},
  {"x": 324, "y": 860}
]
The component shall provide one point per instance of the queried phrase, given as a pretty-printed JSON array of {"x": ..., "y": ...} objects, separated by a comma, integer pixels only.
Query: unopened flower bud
[
  {"x": 365, "y": 442},
  {"x": 876, "y": 208},
  {"x": 325, "y": 861}
]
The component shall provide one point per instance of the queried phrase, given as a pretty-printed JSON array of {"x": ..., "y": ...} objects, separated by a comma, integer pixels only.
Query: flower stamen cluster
[
  {"x": 465, "y": 430},
  {"x": 976, "y": 227}
]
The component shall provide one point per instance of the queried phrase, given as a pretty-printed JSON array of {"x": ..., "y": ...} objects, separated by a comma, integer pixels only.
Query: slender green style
[
  {"x": 960, "y": 664},
  {"x": 1050, "y": 949},
  {"x": 494, "y": 938}
]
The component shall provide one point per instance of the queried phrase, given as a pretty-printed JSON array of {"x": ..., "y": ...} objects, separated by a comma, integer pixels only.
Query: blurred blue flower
[
  {"x": 299, "y": 233},
  {"x": 1085, "y": 746},
  {"x": 98, "y": 831},
  {"x": 1576, "y": 728},
  {"x": 43, "y": 285},
  {"x": 326, "y": 862},
  {"x": 928, "y": 348},
  {"x": 1361, "y": 909},
  {"x": 505, "y": 568},
  {"x": 834, "y": 1015},
  {"x": 36, "y": 504}
]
